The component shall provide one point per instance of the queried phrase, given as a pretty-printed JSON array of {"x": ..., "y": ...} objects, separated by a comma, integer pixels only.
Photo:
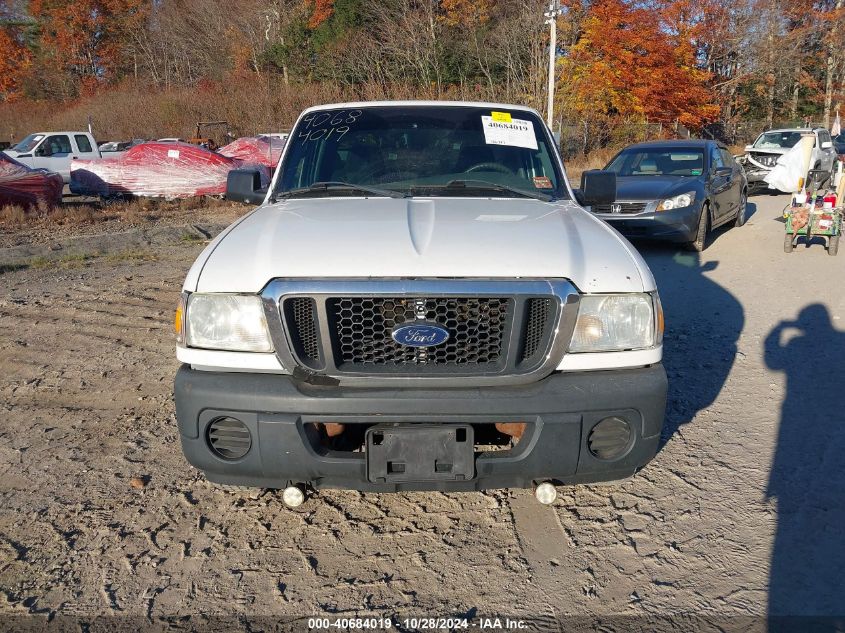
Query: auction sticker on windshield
[{"x": 516, "y": 132}]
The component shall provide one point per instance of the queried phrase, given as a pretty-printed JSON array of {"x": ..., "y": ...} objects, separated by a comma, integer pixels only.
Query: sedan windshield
[
  {"x": 777, "y": 140},
  {"x": 658, "y": 162},
  {"x": 28, "y": 143},
  {"x": 420, "y": 151}
]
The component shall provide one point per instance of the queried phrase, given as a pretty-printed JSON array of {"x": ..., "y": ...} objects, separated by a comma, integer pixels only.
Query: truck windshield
[
  {"x": 420, "y": 151},
  {"x": 777, "y": 140},
  {"x": 28, "y": 143}
]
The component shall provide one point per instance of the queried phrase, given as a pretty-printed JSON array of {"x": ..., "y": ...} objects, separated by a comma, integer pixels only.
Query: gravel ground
[{"x": 739, "y": 515}]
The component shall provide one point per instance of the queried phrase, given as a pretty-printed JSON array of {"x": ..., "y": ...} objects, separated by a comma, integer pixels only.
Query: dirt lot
[{"x": 740, "y": 513}]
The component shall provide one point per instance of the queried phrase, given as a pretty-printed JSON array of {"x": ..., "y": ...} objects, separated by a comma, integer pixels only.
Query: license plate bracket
[{"x": 420, "y": 452}]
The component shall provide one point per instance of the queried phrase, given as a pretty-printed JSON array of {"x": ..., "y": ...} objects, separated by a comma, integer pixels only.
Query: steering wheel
[{"x": 489, "y": 167}]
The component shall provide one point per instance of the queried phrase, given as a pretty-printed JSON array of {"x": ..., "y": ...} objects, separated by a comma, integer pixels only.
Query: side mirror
[
  {"x": 43, "y": 150},
  {"x": 24, "y": 156},
  {"x": 748, "y": 148},
  {"x": 723, "y": 171},
  {"x": 244, "y": 185},
  {"x": 827, "y": 145},
  {"x": 598, "y": 187}
]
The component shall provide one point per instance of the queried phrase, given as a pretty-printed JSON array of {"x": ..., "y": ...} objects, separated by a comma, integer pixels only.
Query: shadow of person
[
  {"x": 807, "y": 573},
  {"x": 703, "y": 324}
]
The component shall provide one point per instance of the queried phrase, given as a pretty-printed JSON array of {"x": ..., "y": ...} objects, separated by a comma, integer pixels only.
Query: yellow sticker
[{"x": 501, "y": 117}]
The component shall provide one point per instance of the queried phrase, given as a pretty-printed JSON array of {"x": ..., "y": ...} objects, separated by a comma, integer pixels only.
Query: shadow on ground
[
  {"x": 806, "y": 583},
  {"x": 703, "y": 324}
]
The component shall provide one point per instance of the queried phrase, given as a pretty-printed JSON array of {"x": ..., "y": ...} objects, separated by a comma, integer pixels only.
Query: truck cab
[
  {"x": 419, "y": 303},
  {"x": 54, "y": 151}
]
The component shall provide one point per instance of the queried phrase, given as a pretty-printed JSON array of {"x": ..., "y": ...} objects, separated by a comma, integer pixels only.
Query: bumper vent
[
  {"x": 609, "y": 439},
  {"x": 229, "y": 438}
]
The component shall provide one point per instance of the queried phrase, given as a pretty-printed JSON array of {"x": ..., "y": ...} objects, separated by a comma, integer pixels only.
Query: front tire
[
  {"x": 833, "y": 245},
  {"x": 787, "y": 243},
  {"x": 700, "y": 241},
  {"x": 742, "y": 213}
]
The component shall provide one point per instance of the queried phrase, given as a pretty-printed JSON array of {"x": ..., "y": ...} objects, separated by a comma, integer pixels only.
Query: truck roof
[
  {"x": 62, "y": 132},
  {"x": 453, "y": 104}
]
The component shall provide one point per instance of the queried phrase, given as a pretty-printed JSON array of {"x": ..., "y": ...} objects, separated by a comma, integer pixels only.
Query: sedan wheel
[
  {"x": 700, "y": 241},
  {"x": 742, "y": 213}
]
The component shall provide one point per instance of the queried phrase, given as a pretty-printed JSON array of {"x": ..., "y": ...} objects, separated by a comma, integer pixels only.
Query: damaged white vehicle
[
  {"x": 762, "y": 155},
  {"x": 418, "y": 303}
]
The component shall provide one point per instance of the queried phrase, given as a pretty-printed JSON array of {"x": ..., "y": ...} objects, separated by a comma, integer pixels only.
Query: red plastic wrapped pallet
[
  {"x": 261, "y": 150},
  {"x": 165, "y": 170},
  {"x": 22, "y": 186}
]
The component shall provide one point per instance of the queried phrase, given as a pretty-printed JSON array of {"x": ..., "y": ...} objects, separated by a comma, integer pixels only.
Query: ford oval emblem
[{"x": 420, "y": 334}]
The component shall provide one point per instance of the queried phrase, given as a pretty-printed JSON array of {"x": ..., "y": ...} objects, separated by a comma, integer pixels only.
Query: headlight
[
  {"x": 678, "y": 202},
  {"x": 229, "y": 322},
  {"x": 613, "y": 323}
]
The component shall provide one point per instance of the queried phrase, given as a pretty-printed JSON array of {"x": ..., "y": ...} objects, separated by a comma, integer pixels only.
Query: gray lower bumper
[
  {"x": 673, "y": 226},
  {"x": 559, "y": 412}
]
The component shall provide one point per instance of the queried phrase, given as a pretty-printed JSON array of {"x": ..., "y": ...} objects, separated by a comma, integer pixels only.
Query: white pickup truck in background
[{"x": 55, "y": 150}]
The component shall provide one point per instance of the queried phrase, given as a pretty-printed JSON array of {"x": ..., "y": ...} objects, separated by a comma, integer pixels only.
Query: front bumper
[
  {"x": 680, "y": 225},
  {"x": 559, "y": 411},
  {"x": 756, "y": 176}
]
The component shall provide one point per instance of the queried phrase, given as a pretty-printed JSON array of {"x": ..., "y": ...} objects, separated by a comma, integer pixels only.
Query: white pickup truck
[
  {"x": 419, "y": 303},
  {"x": 54, "y": 151}
]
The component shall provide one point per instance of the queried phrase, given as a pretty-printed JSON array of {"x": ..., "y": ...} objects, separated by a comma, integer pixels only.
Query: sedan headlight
[
  {"x": 677, "y": 202},
  {"x": 614, "y": 323},
  {"x": 226, "y": 322}
]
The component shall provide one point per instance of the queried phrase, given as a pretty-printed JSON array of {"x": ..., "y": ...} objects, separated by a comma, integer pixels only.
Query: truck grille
[
  {"x": 301, "y": 313},
  {"x": 363, "y": 328},
  {"x": 489, "y": 335},
  {"x": 536, "y": 327}
]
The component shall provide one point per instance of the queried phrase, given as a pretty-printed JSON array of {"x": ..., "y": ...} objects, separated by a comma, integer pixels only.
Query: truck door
[
  {"x": 54, "y": 154},
  {"x": 84, "y": 149}
]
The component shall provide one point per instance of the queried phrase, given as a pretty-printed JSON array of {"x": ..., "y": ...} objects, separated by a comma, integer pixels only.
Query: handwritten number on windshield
[{"x": 324, "y": 125}]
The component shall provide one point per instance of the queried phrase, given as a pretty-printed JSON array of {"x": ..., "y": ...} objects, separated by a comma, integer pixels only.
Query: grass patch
[
  {"x": 192, "y": 238},
  {"x": 75, "y": 260},
  {"x": 131, "y": 257}
]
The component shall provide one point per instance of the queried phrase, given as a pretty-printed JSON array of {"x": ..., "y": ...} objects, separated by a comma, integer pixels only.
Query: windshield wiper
[
  {"x": 340, "y": 186},
  {"x": 494, "y": 186}
]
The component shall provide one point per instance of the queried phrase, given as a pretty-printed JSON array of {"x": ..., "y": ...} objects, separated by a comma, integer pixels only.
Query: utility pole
[{"x": 551, "y": 14}]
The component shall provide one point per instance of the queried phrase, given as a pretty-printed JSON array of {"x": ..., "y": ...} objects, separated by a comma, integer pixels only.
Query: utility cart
[
  {"x": 813, "y": 222},
  {"x": 814, "y": 218}
]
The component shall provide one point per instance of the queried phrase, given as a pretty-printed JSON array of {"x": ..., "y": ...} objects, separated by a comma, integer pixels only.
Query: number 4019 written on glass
[{"x": 324, "y": 125}]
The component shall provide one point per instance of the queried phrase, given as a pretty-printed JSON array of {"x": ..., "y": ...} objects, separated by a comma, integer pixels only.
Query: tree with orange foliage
[
  {"x": 322, "y": 11},
  {"x": 626, "y": 64},
  {"x": 86, "y": 38},
  {"x": 15, "y": 63},
  {"x": 468, "y": 13}
]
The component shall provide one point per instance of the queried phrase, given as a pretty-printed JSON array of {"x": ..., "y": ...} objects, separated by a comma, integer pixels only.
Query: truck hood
[
  {"x": 431, "y": 237},
  {"x": 773, "y": 151}
]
